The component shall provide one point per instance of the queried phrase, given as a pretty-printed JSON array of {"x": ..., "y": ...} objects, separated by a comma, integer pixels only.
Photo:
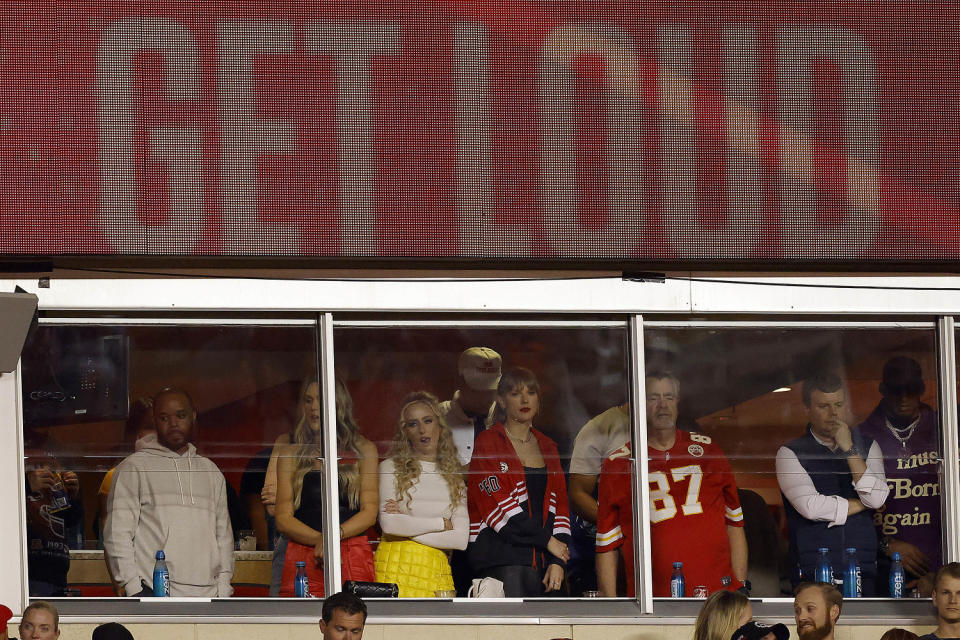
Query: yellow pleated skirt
[{"x": 418, "y": 570}]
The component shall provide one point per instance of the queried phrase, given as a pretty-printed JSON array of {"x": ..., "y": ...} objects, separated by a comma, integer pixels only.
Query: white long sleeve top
[
  {"x": 798, "y": 487},
  {"x": 422, "y": 521}
]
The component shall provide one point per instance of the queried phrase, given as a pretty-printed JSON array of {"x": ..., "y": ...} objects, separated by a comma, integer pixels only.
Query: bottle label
[
  {"x": 301, "y": 587},
  {"x": 896, "y": 584},
  {"x": 161, "y": 584},
  {"x": 676, "y": 588}
]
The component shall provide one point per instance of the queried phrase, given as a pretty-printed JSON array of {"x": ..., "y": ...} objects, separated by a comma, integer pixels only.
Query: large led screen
[{"x": 671, "y": 132}]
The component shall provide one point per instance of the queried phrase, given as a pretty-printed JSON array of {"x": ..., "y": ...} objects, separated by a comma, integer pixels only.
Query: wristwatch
[
  {"x": 852, "y": 451},
  {"x": 745, "y": 588}
]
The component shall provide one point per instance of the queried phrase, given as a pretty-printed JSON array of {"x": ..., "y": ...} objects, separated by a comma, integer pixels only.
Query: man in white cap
[
  {"x": 469, "y": 412},
  {"x": 472, "y": 407}
]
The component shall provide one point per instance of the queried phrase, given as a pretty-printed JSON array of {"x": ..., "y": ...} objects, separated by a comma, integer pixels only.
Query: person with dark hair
[
  {"x": 946, "y": 601},
  {"x": 816, "y": 608},
  {"x": 424, "y": 502},
  {"x": 517, "y": 495},
  {"x": 695, "y": 513},
  {"x": 166, "y": 497},
  {"x": 343, "y": 617},
  {"x": 300, "y": 494},
  {"x": 907, "y": 432},
  {"x": 899, "y": 634},
  {"x": 111, "y": 631},
  {"x": 756, "y": 630},
  {"x": 831, "y": 479}
]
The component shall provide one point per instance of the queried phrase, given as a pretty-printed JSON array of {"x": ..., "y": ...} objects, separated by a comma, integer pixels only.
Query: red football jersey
[
  {"x": 693, "y": 498},
  {"x": 615, "y": 510}
]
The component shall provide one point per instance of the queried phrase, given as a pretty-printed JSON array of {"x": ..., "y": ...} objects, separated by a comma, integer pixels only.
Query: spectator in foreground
[
  {"x": 41, "y": 621},
  {"x": 899, "y": 634},
  {"x": 5, "y": 615},
  {"x": 112, "y": 631},
  {"x": 946, "y": 600},
  {"x": 816, "y": 608},
  {"x": 343, "y": 617},
  {"x": 721, "y": 615},
  {"x": 756, "y": 630}
]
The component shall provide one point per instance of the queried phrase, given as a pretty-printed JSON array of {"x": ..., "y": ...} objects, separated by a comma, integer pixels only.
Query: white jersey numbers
[{"x": 662, "y": 505}]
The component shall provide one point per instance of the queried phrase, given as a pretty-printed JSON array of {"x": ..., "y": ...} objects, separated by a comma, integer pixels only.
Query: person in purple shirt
[{"x": 907, "y": 432}]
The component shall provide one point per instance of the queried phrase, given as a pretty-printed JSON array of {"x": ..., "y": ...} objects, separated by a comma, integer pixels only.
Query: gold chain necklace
[{"x": 520, "y": 440}]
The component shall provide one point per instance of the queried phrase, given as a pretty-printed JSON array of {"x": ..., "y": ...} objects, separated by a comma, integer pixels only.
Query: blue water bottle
[
  {"x": 301, "y": 585},
  {"x": 896, "y": 576},
  {"x": 161, "y": 577},
  {"x": 852, "y": 585},
  {"x": 824, "y": 568},
  {"x": 677, "y": 583}
]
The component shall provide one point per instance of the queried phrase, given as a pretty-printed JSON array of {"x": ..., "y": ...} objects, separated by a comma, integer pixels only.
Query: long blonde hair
[
  {"x": 307, "y": 442},
  {"x": 406, "y": 468},
  {"x": 719, "y": 616}
]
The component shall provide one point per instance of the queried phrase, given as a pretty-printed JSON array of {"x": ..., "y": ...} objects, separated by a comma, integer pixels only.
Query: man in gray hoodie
[{"x": 166, "y": 497}]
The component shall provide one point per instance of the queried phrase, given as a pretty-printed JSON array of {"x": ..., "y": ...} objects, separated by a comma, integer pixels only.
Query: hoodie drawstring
[
  {"x": 190, "y": 479},
  {"x": 176, "y": 464}
]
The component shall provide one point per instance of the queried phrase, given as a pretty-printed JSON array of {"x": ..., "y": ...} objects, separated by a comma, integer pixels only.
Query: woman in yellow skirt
[{"x": 423, "y": 511}]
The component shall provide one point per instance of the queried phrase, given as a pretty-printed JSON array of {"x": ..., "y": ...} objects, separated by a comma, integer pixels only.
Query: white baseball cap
[{"x": 480, "y": 368}]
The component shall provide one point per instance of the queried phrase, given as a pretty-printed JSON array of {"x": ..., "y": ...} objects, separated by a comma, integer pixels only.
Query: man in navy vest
[{"x": 832, "y": 479}]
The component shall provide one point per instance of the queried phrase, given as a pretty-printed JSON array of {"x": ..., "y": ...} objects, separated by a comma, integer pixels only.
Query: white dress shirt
[{"x": 798, "y": 487}]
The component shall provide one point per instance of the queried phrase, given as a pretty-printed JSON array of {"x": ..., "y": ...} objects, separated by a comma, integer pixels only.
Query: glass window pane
[
  {"x": 113, "y": 462},
  {"x": 436, "y": 404},
  {"x": 853, "y": 462}
]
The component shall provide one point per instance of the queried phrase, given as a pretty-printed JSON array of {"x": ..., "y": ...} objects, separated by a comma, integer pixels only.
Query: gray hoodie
[{"x": 162, "y": 500}]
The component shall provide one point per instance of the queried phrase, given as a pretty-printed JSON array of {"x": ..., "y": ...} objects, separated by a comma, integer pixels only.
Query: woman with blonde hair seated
[
  {"x": 424, "y": 502},
  {"x": 723, "y": 613}
]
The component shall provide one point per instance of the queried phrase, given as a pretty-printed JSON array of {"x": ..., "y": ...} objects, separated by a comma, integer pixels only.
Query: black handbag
[{"x": 372, "y": 589}]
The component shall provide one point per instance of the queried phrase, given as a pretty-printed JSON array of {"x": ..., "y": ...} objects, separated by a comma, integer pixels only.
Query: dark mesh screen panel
[{"x": 694, "y": 132}]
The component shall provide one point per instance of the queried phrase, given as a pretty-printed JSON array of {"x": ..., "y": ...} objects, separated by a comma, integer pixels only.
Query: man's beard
[{"x": 816, "y": 633}]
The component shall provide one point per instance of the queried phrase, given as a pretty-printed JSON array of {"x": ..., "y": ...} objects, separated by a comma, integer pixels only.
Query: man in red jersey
[{"x": 695, "y": 515}]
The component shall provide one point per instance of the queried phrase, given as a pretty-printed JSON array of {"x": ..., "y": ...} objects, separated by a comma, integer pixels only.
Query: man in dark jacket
[{"x": 832, "y": 479}]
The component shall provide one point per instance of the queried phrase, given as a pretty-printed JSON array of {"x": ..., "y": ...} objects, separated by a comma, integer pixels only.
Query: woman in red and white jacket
[{"x": 517, "y": 494}]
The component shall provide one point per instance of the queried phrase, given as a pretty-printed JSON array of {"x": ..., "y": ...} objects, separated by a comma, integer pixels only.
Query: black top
[
  {"x": 536, "y": 490},
  {"x": 310, "y": 511},
  {"x": 934, "y": 636}
]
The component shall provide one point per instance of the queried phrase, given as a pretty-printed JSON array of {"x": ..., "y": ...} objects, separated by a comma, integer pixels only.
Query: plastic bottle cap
[
  {"x": 160, "y": 555},
  {"x": 677, "y": 565},
  {"x": 896, "y": 555},
  {"x": 301, "y": 563},
  {"x": 823, "y": 550},
  {"x": 851, "y": 550}
]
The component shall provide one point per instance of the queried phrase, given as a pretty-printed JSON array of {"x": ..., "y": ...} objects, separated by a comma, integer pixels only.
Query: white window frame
[{"x": 720, "y": 298}]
